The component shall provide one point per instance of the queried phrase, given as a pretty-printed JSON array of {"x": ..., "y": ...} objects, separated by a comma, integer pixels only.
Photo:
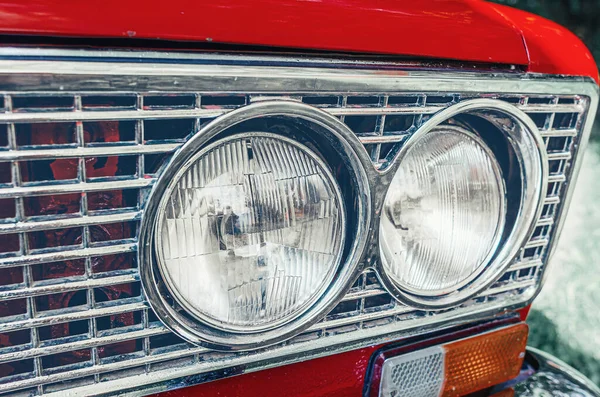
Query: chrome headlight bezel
[
  {"x": 206, "y": 333},
  {"x": 172, "y": 286},
  {"x": 530, "y": 152}
]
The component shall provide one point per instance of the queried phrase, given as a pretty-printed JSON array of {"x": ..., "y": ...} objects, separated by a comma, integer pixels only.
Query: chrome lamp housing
[
  {"x": 303, "y": 124},
  {"x": 519, "y": 161}
]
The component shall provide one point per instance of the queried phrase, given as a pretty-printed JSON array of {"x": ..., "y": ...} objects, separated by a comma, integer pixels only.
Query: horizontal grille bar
[
  {"x": 66, "y": 255},
  {"x": 556, "y": 178},
  {"x": 37, "y": 225},
  {"x": 68, "y": 286},
  {"x": 559, "y": 156},
  {"x": 526, "y": 264},
  {"x": 45, "y": 117},
  {"x": 545, "y": 221},
  {"x": 94, "y": 151},
  {"x": 537, "y": 242},
  {"x": 559, "y": 133},
  {"x": 71, "y": 316},
  {"x": 45, "y": 190},
  {"x": 552, "y": 200},
  {"x": 83, "y": 344},
  {"x": 383, "y": 138},
  {"x": 99, "y": 368}
]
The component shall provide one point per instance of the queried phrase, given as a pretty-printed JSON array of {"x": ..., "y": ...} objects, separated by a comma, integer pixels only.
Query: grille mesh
[{"x": 75, "y": 169}]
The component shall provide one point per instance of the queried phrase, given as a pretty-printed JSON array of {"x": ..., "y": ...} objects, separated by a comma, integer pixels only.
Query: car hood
[{"x": 466, "y": 30}]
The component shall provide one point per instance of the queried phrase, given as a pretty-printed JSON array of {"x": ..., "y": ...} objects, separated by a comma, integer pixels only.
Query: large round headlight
[
  {"x": 461, "y": 204},
  {"x": 444, "y": 212},
  {"x": 250, "y": 232},
  {"x": 245, "y": 240}
]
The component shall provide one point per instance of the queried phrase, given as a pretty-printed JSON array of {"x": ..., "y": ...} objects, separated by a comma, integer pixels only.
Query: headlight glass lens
[
  {"x": 444, "y": 213},
  {"x": 250, "y": 232}
]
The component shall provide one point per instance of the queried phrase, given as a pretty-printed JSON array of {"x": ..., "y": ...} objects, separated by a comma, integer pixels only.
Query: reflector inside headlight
[
  {"x": 250, "y": 232},
  {"x": 444, "y": 213}
]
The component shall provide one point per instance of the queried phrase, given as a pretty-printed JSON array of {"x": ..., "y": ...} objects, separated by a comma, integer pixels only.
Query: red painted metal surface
[
  {"x": 340, "y": 375},
  {"x": 466, "y": 30},
  {"x": 551, "y": 48}
]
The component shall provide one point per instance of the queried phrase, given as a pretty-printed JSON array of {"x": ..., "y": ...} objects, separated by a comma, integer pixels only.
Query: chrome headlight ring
[
  {"x": 170, "y": 310},
  {"x": 529, "y": 151}
]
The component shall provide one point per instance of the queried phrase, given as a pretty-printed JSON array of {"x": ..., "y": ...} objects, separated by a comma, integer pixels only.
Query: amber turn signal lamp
[
  {"x": 486, "y": 360},
  {"x": 453, "y": 369}
]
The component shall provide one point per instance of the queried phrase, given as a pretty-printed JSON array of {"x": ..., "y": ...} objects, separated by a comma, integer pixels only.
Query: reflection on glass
[
  {"x": 251, "y": 232},
  {"x": 443, "y": 212}
]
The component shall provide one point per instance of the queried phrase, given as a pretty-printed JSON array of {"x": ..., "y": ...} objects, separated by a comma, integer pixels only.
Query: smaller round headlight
[
  {"x": 250, "y": 232},
  {"x": 444, "y": 213}
]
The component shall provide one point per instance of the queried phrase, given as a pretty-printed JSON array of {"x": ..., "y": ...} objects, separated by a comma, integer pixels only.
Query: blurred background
[{"x": 565, "y": 318}]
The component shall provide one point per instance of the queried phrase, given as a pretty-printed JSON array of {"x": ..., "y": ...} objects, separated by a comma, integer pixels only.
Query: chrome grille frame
[{"x": 74, "y": 74}]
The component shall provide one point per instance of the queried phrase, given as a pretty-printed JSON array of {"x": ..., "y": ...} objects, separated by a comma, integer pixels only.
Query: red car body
[
  {"x": 444, "y": 32},
  {"x": 460, "y": 30}
]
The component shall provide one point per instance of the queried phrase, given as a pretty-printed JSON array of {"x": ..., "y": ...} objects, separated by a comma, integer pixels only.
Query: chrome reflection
[{"x": 552, "y": 377}]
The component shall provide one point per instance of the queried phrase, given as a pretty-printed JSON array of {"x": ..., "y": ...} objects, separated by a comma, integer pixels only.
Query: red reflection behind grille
[{"x": 60, "y": 169}]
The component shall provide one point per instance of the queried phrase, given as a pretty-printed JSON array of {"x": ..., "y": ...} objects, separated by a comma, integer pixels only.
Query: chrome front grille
[{"x": 77, "y": 164}]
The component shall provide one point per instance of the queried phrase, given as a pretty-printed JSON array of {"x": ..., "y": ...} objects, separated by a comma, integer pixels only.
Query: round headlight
[
  {"x": 462, "y": 203},
  {"x": 444, "y": 213},
  {"x": 250, "y": 232}
]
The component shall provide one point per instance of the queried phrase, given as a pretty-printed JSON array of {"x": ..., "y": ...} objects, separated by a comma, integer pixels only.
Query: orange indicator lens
[{"x": 483, "y": 361}]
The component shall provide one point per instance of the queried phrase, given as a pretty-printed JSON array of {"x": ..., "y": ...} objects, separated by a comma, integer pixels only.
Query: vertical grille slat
[{"x": 73, "y": 275}]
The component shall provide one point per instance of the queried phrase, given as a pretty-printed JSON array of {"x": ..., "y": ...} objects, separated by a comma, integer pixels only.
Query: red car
[{"x": 283, "y": 198}]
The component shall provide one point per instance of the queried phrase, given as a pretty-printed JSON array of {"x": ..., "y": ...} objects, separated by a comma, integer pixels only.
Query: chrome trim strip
[
  {"x": 43, "y": 320},
  {"x": 46, "y": 190},
  {"x": 67, "y": 286},
  {"x": 94, "y": 151},
  {"x": 66, "y": 255},
  {"x": 33, "y": 77},
  {"x": 56, "y": 223}
]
